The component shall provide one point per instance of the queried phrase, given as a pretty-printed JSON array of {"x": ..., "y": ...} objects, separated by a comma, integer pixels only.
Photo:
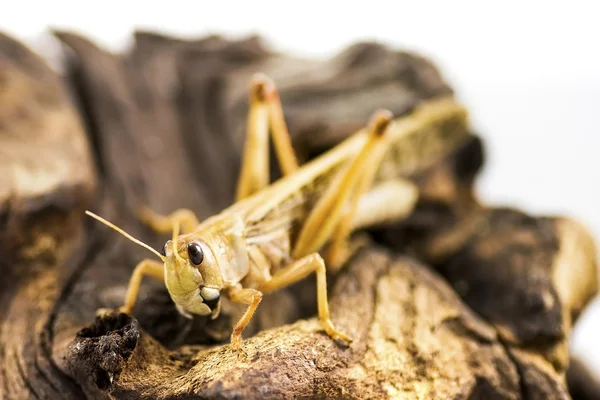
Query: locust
[{"x": 275, "y": 233}]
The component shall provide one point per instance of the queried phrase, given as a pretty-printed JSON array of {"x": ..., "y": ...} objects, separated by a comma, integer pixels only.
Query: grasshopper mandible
[{"x": 271, "y": 237}]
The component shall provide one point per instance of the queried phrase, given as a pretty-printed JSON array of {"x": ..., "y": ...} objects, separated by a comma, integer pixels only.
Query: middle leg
[
  {"x": 250, "y": 297},
  {"x": 299, "y": 270}
]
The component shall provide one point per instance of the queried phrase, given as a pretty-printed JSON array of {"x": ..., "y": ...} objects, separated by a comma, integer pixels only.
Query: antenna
[{"x": 127, "y": 235}]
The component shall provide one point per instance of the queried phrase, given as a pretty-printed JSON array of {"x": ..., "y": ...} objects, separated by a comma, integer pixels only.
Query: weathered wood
[
  {"x": 412, "y": 336},
  {"x": 164, "y": 125},
  {"x": 46, "y": 181},
  {"x": 528, "y": 276}
]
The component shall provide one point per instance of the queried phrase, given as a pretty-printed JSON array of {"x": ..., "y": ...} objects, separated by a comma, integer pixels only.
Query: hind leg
[
  {"x": 265, "y": 115},
  {"x": 298, "y": 270},
  {"x": 387, "y": 202},
  {"x": 164, "y": 223},
  {"x": 332, "y": 215}
]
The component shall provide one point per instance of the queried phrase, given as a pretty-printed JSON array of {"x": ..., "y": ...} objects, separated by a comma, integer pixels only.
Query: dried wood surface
[{"x": 461, "y": 300}]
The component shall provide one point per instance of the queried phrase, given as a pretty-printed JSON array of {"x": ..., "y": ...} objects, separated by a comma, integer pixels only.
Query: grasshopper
[{"x": 272, "y": 235}]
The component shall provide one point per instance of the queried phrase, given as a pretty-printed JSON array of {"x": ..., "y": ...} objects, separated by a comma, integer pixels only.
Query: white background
[{"x": 528, "y": 71}]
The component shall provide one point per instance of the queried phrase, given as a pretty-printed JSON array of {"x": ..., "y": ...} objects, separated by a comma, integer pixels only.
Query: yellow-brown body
[{"x": 254, "y": 237}]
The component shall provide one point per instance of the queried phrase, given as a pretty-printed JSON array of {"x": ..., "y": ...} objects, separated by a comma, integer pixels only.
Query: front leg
[
  {"x": 146, "y": 267},
  {"x": 299, "y": 270},
  {"x": 252, "y": 298}
]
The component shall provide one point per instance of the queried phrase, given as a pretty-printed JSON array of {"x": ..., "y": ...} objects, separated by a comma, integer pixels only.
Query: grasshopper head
[
  {"x": 193, "y": 276},
  {"x": 192, "y": 273}
]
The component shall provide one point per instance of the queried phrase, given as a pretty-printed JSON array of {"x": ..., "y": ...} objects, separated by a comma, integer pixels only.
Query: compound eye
[
  {"x": 165, "y": 247},
  {"x": 195, "y": 253}
]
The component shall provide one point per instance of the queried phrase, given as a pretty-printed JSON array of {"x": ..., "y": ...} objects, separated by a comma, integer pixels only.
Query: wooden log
[
  {"x": 413, "y": 337},
  {"x": 529, "y": 277}
]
